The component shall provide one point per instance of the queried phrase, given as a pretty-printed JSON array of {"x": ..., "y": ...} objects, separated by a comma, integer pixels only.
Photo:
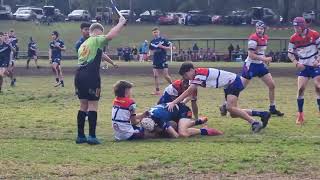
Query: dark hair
[
  {"x": 85, "y": 25},
  {"x": 1, "y": 33},
  {"x": 55, "y": 33},
  {"x": 155, "y": 29},
  {"x": 185, "y": 67},
  {"x": 120, "y": 87}
]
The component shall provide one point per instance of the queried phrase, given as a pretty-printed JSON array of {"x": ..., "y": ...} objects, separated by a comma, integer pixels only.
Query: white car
[
  {"x": 79, "y": 15},
  {"x": 5, "y": 12},
  {"x": 126, "y": 13},
  {"x": 25, "y": 15},
  {"x": 38, "y": 12}
]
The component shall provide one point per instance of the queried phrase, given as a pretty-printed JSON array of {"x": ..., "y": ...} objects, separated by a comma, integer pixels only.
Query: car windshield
[
  {"x": 37, "y": 11},
  {"x": 77, "y": 12},
  {"x": 25, "y": 12}
]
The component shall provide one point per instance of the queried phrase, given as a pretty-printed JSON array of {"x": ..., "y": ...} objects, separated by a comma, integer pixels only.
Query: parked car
[
  {"x": 265, "y": 14},
  {"x": 127, "y": 13},
  {"x": 5, "y": 12},
  {"x": 197, "y": 17},
  {"x": 37, "y": 11},
  {"x": 26, "y": 15},
  {"x": 181, "y": 16},
  {"x": 104, "y": 14},
  {"x": 79, "y": 15},
  {"x": 151, "y": 16},
  {"x": 236, "y": 18},
  {"x": 168, "y": 19},
  {"x": 309, "y": 16}
]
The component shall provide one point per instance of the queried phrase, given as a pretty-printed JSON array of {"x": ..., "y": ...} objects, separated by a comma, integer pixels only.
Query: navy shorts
[
  {"x": 310, "y": 72},
  {"x": 4, "y": 63},
  {"x": 162, "y": 65},
  {"x": 56, "y": 60},
  {"x": 31, "y": 54},
  {"x": 251, "y": 70},
  {"x": 235, "y": 88},
  {"x": 137, "y": 135}
]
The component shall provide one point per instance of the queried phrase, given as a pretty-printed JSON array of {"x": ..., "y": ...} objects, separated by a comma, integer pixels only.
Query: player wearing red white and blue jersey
[
  {"x": 305, "y": 44},
  {"x": 232, "y": 84},
  {"x": 174, "y": 90},
  {"x": 256, "y": 65}
]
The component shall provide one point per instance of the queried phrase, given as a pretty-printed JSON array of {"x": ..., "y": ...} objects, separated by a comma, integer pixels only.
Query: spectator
[
  {"x": 230, "y": 49},
  {"x": 195, "y": 48},
  {"x": 143, "y": 50},
  {"x": 127, "y": 54},
  {"x": 189, "y": 53},
  {"x": 238, "y": 48},
  {"x": 135, "y": 53}
]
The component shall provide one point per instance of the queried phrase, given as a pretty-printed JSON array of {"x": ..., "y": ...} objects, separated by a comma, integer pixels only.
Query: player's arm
[
  {"x": 317, "y": 62},
  {"x": 62, "y": 47},
  {"x": 136, "y": 118},
  {"x": 107, "y": 59},
  {"x": 116, "y": 30},
  {"x": 195, "y": 109},
  {"x": 252, "y": 54},
  {"x": 50, "y": 54},
  {"x": 292, "y": 56},
  {"x": 191, "y": 89}
]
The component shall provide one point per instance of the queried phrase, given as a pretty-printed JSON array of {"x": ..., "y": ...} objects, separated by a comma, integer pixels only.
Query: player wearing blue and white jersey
[
  {"x": 32, "y": 52},
  {"x": 56, "y": 46},
  {"x": 159, "y": 47}
]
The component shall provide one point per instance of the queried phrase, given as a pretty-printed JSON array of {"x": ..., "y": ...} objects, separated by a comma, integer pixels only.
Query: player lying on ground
[
  {"x": 256, "y": 66},
  {"x": 233, "y": 85},
  {"x": 182, "y": 115},
  {"x": 305, "y": 44}
]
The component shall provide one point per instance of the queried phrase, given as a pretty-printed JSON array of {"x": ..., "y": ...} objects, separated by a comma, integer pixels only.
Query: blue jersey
[
  {"x": 32, "y": 46},
  {"x": 79, "y": 42},
  {"x": 56, "y": 51},
  {"x": 161, "y": 115},
  {"x": 159, "y": 55},
  {"x": 14, "y": 41},
  {"x": 5, "y": 52}
]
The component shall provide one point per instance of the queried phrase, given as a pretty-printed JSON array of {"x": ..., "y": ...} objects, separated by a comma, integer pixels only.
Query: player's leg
[
  {"x": 12, "y": 77},
  {"x": 35, "y": 58},
  {"x": 185, "y": 129},
  {"x": 166, "y": 75},
  {"x": 317, "y": 90},
  {"x": 235, "y": 112},
  {"x": 264, "y": 115},
  {"x": 302, "y": 84},
  {"x": 56, "y": 73},
  {"x": 156, "y": 81},
  {"x": 2, "y": 74},
  {"x": 60, "y": 75},
  {"x": 28, "y": 62},
  {"x": 268, "y": 80}
]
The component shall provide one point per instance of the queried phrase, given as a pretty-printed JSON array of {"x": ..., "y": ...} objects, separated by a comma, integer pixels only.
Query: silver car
[
  {"x": 79, "y": 15},
  {"x": 26, "y": 15}
]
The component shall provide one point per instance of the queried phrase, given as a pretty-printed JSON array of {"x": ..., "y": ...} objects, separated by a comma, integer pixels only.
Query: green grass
[
  {"x": 38, "y": 127},
  {"x": 135, "y": 34}
]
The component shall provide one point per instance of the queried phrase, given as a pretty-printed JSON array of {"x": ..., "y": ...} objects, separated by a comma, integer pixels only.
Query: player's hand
[
  {"x": 300, "y": 67},
  {"x": 316, "y": 63},
  {"x": 122, "y": 20},
  {"x": 161, "y": 46},
  {"x": 268, "y": 59},
  {"x": 171, "y": 106}
]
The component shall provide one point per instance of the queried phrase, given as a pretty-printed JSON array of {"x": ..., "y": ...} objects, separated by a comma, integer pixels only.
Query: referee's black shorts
[{"x": 87, "y": 85}]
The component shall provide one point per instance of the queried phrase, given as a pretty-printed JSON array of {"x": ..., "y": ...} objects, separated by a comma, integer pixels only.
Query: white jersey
[
  {"x": 213, "y": 78},
  {"x": 122, "y": 110},
  {"x": 257, "y": 44},
  {"x": 305, "y": 47}
]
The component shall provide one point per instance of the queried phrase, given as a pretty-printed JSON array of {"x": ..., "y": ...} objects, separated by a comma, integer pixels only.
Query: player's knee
[
  {"x": 301, "y": 91},
  {"x": 271, "y": 86},
  {"x": 183, "y": 134}
]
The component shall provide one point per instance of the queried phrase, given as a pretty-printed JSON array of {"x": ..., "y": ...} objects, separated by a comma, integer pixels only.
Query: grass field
[
  {"x": 135, "y": 34},
  {"x": 37, "y": 131}
]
